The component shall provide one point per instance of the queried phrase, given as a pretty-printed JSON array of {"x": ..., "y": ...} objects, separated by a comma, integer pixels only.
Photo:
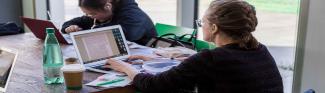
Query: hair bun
[{"x": 235, "y": 18}]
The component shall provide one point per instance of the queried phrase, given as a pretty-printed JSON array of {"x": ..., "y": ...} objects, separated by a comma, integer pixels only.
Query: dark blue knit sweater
[{"x": 227, "y": 69}]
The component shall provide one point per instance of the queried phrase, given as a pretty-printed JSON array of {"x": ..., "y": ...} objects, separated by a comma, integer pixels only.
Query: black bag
[
  {"x": 10, "y": 28},
  {"x": 171, "y": 40}
]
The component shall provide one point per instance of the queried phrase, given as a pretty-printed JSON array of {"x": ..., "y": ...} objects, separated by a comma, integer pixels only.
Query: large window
[
  {"x": 72, "y": 9},
  {"x": 277, "y": 20},
  {"x": 277, "y": 30},
  {"x": 160, "y": 11}
]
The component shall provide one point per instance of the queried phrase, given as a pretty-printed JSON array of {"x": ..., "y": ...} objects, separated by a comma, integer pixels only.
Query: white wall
[{"x": 310, "y": 60}]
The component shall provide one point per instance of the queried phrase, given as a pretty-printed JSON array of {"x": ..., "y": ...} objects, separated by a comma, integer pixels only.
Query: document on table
[
  {"x": 6, "y": 59},
  {"x": 110, "y": 81}
]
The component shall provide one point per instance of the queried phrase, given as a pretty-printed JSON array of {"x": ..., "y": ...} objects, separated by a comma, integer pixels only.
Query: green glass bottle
[{"x": 52, "y": 59}]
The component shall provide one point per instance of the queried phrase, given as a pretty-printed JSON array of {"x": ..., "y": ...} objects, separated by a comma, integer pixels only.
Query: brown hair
[
  {"x": 235, "y": 19},
  {"x": 97, "y": 4}
]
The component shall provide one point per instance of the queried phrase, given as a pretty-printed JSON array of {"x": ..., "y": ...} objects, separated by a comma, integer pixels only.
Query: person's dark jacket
[
  {"x": 10, "y": 28},
  {"x": 228, "y": 69},
  {"x": 136, "y": 24}
]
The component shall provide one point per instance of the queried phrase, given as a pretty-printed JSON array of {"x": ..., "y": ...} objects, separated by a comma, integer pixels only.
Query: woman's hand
[
  {"x": 118, "y": 65},
  {"x": 72, "y": 28},
  {"x": 122, "y": 67}
]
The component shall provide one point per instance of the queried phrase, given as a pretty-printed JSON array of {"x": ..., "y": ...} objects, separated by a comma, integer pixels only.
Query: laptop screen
[
  {"x": 7, "y": 59},
  {"x": 38, "y": 27},
  {"x": 100, "y": 45}
]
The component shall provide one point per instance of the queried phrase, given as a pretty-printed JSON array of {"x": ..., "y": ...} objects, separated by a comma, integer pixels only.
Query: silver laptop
[
  {"x": 95, "y": 46},
  {"x": 7, "y": 61}
]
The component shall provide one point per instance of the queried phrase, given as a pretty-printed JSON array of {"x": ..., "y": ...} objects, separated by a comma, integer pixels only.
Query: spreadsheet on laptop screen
[{"x": 100, "y": 45}]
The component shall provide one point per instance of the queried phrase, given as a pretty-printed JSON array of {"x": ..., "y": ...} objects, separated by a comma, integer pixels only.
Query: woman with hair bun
[{"x": 239, "y": 65}]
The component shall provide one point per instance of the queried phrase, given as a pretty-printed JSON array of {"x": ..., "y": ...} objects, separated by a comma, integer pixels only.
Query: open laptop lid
[
  {"x": 100, "y": 44},
  {"x": 7, "y": 62},
  {"x": 38, "y": 28}
]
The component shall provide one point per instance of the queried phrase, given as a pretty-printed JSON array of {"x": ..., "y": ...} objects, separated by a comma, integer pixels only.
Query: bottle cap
[{"x": 50, "y": 30}]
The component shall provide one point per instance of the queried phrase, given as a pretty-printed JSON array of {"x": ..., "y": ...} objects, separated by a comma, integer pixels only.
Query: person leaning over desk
[
  {"x": 239, "y": 65},
  {"x": 137, "y": 25}
]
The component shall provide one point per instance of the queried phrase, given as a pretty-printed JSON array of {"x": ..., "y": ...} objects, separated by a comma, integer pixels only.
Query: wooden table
[{"x": 27, "y": 76}]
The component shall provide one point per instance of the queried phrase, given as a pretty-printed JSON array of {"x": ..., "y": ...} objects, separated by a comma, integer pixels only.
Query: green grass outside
[{"x": 281, "y": 6}]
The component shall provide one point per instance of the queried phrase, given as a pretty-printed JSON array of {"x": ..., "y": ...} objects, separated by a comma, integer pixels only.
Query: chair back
[{"x": 163, "y": 29}]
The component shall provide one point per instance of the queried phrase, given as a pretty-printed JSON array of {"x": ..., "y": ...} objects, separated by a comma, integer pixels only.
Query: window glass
[{"x": 160, "y": 11}]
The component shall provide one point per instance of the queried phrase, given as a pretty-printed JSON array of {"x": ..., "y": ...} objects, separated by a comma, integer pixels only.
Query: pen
[
  {"x": 92, "y": 27},
  {"x": 110, "y": 82}
]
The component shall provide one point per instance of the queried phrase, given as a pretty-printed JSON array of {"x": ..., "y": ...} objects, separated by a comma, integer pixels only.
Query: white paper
[
  {"x": 158, "y": 66},
  {"x": 174, "y": 52},
  {"x": 110, "y": 77},
  {"x": 6, "y": 59}
]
